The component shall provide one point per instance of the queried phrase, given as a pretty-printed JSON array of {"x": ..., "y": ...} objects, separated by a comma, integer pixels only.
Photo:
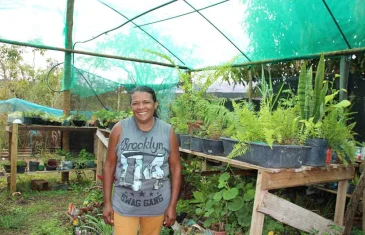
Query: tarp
[{"x": 19, "y": 105}]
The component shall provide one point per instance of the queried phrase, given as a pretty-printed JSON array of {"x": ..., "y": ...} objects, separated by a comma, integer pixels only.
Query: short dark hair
[
  {"x": 148, "y": 90},
  {"x": 145, "y": 89}
]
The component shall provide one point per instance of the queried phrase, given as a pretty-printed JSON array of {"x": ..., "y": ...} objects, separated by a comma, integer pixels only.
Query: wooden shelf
[
  {"x": 55, "y": 171},
  {"x": 53, "y": 128},
  {"x": 245, "y": 165}
]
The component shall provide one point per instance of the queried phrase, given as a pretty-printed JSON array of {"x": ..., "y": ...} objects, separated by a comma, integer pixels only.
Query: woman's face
[{"x": 143, "y": 106}]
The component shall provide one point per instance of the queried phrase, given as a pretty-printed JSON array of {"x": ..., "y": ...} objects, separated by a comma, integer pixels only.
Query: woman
[{"x": 142, "y": 153}]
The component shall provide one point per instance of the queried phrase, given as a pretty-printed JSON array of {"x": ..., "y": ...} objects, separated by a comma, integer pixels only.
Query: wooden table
[{"x": 282, "y": 210}]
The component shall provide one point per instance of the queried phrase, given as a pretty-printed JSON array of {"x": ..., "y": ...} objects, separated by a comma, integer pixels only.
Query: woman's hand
[
  {"x": 108, "y": 214},
  {"x": 170, "y": 217}
]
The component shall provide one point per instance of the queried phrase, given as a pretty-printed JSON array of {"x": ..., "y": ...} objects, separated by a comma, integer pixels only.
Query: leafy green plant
[
  {"x": 221, "y": 208},
  {"x": 18, "y": 163},
  {"x": 96, "y": 224}
]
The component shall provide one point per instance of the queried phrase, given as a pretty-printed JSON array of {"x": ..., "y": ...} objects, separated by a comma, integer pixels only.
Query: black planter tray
[{"x": 280, "y": 156}]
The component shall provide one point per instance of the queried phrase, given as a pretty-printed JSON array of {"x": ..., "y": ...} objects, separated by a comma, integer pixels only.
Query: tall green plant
[{"x": 312, "y": 100}]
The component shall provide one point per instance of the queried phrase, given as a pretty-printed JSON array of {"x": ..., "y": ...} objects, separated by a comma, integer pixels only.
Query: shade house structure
[
  {"x": 106, "y": 45},
  {"x": 127, "y": 42}
]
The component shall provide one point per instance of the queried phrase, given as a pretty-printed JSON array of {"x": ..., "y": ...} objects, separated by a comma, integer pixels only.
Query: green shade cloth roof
[{"x": 253, "y": 30}]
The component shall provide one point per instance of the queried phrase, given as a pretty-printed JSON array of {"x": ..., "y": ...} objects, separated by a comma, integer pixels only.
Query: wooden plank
[
  {"x": 102, "y": 138},
  {"x": 341, "y": 201},
  {"x": 330, "y": 191},
  {"x": 55, "y": 128},
  {"x": 293, "y": 215},
  {"x": 257, "y": 220},
  {"x": 99, "y": 156},
  {"x": 13, "y": 157},
  {"x": 286, "y": 179},
  {"x": 232, "y": 162},
  {"x": 55, "y": 171}
]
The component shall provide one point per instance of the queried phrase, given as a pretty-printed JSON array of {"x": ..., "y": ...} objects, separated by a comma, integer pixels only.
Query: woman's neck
[{"x": 145, "y": 126}]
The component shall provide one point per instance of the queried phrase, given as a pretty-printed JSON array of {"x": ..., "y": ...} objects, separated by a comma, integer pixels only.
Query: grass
[{"x": 40, "y": 213}]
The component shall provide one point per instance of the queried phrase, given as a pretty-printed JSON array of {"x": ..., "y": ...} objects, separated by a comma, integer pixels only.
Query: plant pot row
[
  {"x": 261, "y": 154},
  {"x": 197, "y": 144}
]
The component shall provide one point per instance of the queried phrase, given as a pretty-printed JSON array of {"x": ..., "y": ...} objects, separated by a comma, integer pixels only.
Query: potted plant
[
  {"x": 33, "y": 117},
  {"x": 20, "y": 166},
  {"x": 270, "y": 138},
  {"x": 78, "y": 119},
  {"x": 101, "y": 117},
  {"x": 116, "y": 117},
  {"x": 215, "y": 121}
]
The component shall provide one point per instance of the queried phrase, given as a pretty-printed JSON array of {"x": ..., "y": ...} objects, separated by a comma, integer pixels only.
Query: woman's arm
[
  {"x": 175, "y": 171},
  {"x": 109, "y": 172}
]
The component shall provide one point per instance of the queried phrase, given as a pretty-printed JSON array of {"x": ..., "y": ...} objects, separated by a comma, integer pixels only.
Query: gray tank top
[{"x": 142, "y": 185}]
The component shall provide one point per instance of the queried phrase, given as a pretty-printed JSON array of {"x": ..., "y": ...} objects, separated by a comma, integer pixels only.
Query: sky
[{"x": 43, "y": 21}]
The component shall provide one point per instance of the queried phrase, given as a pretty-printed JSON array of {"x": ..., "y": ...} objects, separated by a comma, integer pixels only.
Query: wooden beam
[
  {"x": 102, "y": 138},
  {"x": 53, "y": 128},
  {"x": 341, "y": 201},
  {"x": 288, "y": 179},
  {"x": 232, "y": 162},
  {"x": 67, "y": 70},
  {"x": 250, "y": 86},
  {"x": 100, "y": 158},
  {"x": 257, "y": 220},
  {"x": 293, "y": 215},
  {"x": 13, "y": 156}
]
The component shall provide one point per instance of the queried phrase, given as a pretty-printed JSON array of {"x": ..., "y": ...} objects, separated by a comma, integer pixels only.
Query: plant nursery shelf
[
  {"x": 55, "y": 171},
  {"x": 266, "y": 203},
  {"x": 53, "y": 128},
  {"x": 13, "y": 130}
]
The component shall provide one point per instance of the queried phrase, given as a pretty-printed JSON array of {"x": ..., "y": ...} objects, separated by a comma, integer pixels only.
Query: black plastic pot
[
  {"x": 279, "y": 156},
  {"x": 111, "y": 125},
  {"x": 212, "y": 147},
  {"x": 316, "y": 156},
  {"x": 20, "y": 169},
  {"x": 79, "y": 123},
  {"x": 27, "y": 120},
  {"x": 228, "y": 145},
  {"x": 196, "y": 144},
  {"x": 33, "y": 166},
  {"x": 185, "y": 141},
  {"x": 7, "y": 168}
]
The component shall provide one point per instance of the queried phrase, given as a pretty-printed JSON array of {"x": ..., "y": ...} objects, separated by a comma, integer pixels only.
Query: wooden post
[
  {"x": 100, "y": 163},
  {"x": 250, "y": 89},
  {"x": 257, "y": 220},
  {"x": 344, "y": 76},
  {"x": 67, "y": 76},
  {"x": 67, "y": 71},
  {"x": 363, "y": 212},
  {"x": 13, "y": 156},
  {"x": 340, "y": 202}
]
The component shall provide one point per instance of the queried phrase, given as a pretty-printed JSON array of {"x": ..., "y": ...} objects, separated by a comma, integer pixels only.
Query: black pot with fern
[
  {"x": 228, "y": 145},
  {"x": 196, "y": 144}
]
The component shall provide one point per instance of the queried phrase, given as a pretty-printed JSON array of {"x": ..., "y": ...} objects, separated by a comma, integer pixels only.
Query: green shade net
[{"x": 249, "y": 30}]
